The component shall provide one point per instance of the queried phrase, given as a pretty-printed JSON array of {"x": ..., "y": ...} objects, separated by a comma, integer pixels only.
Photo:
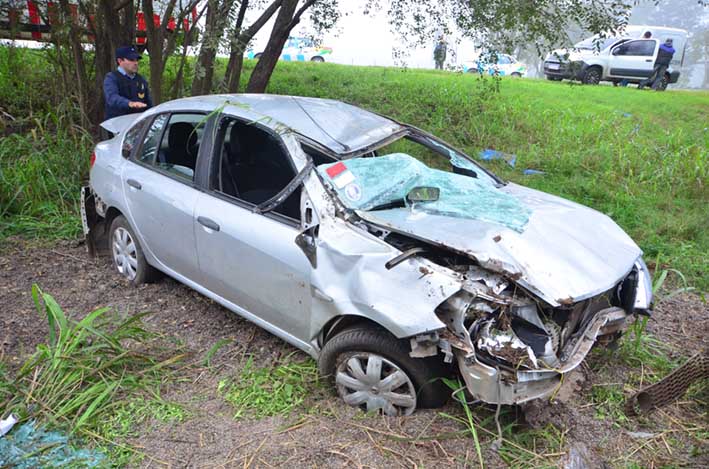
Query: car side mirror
[{"x": 423, "y": 194}]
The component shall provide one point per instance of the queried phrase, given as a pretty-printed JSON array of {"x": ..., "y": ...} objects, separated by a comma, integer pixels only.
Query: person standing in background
[{"x": 439, "y": 53}]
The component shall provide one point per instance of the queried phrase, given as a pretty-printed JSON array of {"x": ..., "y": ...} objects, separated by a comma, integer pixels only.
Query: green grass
[
  {"x": 125, "y": 422},
  {"x": 640, "y": 157},
  {"x": 40, "y": 180},
  {"x": 270, "y": 390}
]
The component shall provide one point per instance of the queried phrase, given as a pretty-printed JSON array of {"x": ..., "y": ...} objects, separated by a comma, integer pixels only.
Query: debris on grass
[
  {"x": 29, "y": 446},
  {"x": 489, "y": 154}
]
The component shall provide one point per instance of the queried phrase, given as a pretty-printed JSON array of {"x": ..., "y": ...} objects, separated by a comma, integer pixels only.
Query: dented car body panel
[
  {"x": 566, "y": 253},
  {"x": 513, "y": 308}
]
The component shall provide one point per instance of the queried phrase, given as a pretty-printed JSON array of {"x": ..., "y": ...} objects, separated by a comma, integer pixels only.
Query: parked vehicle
[
  {"x": 628, "y": 58},
  {"x": 391, "y": 269},
  {"x": 499, "y": 64},
  {"x": 299, "y": 49}
]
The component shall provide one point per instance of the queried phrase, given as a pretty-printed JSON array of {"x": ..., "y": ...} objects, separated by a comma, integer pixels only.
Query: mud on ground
[{"x": 326, "y": 433}]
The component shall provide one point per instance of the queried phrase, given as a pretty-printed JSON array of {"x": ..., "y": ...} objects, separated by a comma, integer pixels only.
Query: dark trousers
[{"x": 655, "y": 79}]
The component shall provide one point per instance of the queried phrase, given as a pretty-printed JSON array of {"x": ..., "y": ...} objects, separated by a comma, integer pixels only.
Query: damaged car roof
[{"x": 340, "y": 127}]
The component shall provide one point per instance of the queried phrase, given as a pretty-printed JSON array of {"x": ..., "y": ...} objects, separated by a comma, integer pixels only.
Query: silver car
[{"x": 383, "y": 252}]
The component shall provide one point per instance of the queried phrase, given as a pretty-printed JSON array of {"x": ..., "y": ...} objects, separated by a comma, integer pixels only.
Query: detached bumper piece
[
  {"x": 89, "y": 218},
  {"x": 671, "y": 387}
]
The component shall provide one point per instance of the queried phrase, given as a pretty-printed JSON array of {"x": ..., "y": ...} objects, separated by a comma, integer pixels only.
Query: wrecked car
[{"x": 383, "y": 252}]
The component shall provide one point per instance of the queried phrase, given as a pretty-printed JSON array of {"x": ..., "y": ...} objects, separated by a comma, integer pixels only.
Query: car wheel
[
  {"x": 258, "y": 55},
  {"x": 317, "y": 58},
  {"x": 592, "y": 76},
  {"x": 553, "y": 78},
  {"x": 516, "y": 75},
  {"x": 372, "y": 370},
  {"x": 127, "y": 255}
]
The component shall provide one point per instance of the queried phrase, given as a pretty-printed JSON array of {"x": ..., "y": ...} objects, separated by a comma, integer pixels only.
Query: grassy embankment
[{"x": 640, "y": 157}]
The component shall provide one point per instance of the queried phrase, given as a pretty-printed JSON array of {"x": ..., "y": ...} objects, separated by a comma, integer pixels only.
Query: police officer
[{"x": 124, "y": 90}]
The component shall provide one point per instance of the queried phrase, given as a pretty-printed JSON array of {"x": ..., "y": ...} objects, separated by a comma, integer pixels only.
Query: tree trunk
[
  {"x": 286, "y": 20},
  {"x": 82, "y": 88},
  {"x": 204, "y": 68}
]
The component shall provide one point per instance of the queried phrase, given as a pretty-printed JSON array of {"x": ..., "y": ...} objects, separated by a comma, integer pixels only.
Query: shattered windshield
[{"x": 382, "y": 182}]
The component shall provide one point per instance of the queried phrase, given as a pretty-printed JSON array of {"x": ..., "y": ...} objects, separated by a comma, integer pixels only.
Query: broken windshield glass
[{"x": 383, "y": 181}]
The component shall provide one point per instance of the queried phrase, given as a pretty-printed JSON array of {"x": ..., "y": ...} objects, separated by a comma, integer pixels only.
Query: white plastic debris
[{"x": 7, "y": 424}]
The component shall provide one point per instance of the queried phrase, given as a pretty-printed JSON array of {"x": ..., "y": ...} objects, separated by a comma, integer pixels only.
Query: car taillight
[{"x": 92, "y": 160}]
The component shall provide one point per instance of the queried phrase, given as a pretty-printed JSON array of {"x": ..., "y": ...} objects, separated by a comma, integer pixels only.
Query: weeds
[
  {"x": 81, "y": 378},
  {"x": 609, "y": 400},
  {"x": 517, "y": 445},
  {"x": 271, "y": 390}
]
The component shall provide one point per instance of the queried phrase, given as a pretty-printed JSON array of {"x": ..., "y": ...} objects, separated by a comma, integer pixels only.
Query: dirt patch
[{"x": 325, "y": 432}]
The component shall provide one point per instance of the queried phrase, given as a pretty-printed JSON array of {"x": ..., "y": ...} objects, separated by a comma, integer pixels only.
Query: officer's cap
[{"x": 127, "y": 52}]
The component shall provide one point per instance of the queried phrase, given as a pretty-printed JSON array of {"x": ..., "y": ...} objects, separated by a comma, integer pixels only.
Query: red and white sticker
[{"x": 340, "y": 175}]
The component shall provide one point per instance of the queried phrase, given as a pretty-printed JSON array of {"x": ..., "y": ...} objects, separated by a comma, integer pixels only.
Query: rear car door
[
  {"x": 250, "y": 258},
  {"x": 633, "y": 59},
  {"x": 160, "y": 190}
]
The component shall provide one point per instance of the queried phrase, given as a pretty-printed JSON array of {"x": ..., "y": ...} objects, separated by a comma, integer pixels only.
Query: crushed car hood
[{"x": 566, "y": 252}]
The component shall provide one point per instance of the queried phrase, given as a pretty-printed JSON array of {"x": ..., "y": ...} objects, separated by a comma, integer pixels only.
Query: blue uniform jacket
[{"x": 120, "y": 89}]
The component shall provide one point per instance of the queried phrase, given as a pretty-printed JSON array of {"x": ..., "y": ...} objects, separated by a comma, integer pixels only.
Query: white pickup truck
[{"x": 629, "y": 58}]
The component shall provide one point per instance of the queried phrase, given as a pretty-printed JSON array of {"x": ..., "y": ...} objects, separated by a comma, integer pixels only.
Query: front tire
[
  {"x": 553, "y": 78},
  {"x": 317, "y": 58},
  {"x": 592, "y": 76},
  {"x": 372, "y": 370},
  {"x": 258, "y": 55},
  {"x": 127, "y": 254}
]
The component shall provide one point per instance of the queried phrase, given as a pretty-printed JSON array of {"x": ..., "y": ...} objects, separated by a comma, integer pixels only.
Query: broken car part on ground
[{"x": 380, "y": 250}]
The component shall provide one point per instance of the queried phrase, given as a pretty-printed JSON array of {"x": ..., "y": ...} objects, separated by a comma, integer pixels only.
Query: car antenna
[{"x": 345, "y": 147}]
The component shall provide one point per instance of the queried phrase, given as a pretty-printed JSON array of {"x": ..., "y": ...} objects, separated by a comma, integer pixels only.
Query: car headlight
[{"x": 643, "y": 294}]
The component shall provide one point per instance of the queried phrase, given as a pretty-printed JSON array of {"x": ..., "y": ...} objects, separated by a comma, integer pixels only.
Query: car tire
[
  {"x": 258, "y": 55},
  {"x": 317, "y": 58},
  {"x": 345, "y": 357},
  {"x": 553, "y": 78},
  {"x": 127, "y": 254},
  {"x": 592, "y": 76},
  {"x": 516, "y": 75}
]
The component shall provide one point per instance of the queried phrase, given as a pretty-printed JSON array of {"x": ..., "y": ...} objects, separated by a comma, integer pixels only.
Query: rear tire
[
  {"x": 347, "y": 354},
  {"x": 127, "y": 254},
  {"x": 553, "y": 78},
  {"x": 258, "y": 55},
  {"x": 317, "y": 58},
  {"x": 516, "y": 75}
]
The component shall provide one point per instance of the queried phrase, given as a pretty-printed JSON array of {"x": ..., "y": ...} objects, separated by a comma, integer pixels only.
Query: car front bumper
[
  {"x": 495, "y": 385},
  {"x": 569, "y": 70}
]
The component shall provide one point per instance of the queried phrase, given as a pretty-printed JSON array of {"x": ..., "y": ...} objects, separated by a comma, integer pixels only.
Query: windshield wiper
[{"x": 388, "y": 205}]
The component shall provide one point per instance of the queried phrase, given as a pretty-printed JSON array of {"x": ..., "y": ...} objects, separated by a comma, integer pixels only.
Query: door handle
[
  {"x": 133, "y": 183},
  {"x": 211, "y": 224},
  {"x": 648, "y": 60}
]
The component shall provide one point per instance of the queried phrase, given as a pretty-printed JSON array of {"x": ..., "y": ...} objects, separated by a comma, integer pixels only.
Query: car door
[
  {"x": 633, "y": 59},
  {"x": 161, "y": 193},
  {"x": 250, "y": 258}
]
